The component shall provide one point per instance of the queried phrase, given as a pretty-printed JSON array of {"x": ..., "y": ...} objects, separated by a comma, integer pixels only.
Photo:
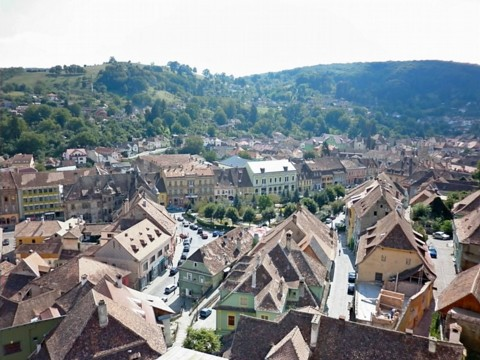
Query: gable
[
  {"x": 397, "y": 239},
  {"x": 113, "y": 250}
]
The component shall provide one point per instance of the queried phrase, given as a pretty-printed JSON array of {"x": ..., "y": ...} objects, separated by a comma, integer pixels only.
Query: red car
[
  {"x": 204, "y": 236},
  {"x": 183, "y": 236}
]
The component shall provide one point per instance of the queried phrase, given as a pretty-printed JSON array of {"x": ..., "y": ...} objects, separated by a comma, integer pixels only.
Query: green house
[
  {"x": 18, "y": 342},
  {"x": 273, "y": 279},
  {"x": 206, "y": 268}
]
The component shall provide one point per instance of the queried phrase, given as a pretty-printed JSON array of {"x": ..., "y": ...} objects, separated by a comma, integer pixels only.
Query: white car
[{"x": 440, "y": 235}]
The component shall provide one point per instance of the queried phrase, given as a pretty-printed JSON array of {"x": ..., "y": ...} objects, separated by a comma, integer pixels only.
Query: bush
[{"x": 203, "y": 340}]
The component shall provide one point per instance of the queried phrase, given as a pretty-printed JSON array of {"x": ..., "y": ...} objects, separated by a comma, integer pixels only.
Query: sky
[{"x": 237, "y": 37}]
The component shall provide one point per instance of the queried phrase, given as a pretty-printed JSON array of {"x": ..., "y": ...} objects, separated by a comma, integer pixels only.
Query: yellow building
[
  {"x": 389, "y": 248},
  {"x": 36, "y": 232}
]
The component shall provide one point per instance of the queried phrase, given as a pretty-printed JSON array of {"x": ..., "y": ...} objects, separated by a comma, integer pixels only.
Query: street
[
  {"x": 338, "y": 300},
  {"x": 444, "y": 263},
  {"x": 157, "y": 286}
]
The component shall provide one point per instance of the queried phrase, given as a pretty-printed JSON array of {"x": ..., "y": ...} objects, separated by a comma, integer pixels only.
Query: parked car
[
  {"x": 186, "y": 242},
  {"x": 170, "y": 289},
  {"x": 184, "y": 256},
  {"x": 351, "y": 289},
  {"x": 180, "y": 218},
  {"x": 6, "y": 242},
  {"x": 199, "y": 231},
  {"x": 183, "y": 236},
  {"x": 441, "y": 235},
  {"x": 215, "y": 233},
  {"x": 205, "y": 312},
  {"x": 173, "y": 271},
  {"x": 352, "y": 277},
  {"x": 186, "y": 224},
  {"x": 432, "y": 251},
  {"x": 186, "y": 249},
  {"x": 193, "y": 227},
  {"x": 180, "y": 262}
]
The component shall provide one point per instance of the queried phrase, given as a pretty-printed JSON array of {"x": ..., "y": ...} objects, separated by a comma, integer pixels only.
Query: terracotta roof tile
[{"x": 464, "y": 284}]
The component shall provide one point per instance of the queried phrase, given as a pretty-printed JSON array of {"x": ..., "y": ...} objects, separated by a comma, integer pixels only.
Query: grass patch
[{"x": 435, "y": 326}]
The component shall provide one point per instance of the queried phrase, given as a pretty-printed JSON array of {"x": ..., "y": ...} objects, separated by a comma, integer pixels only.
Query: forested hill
[
  {"x": 418, "y": 87},
  {"x": 45, "y": 111}
]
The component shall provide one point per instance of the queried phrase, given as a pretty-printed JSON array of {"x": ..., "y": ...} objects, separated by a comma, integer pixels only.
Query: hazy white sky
[{"x": 237, "y": 37}]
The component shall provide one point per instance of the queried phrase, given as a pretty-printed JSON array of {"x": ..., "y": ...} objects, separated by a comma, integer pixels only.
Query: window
[
  {"x": 145, "y": 266},
  {"x": 231, "y": 320},
  {"x": 152, "y": 259},
  {"x": 264, "y": 317},
  {"x": 202, "y": 279},
  {"x": 189, "y": 276},
  {"x": 12, "y": 348},
  {"x": 374, "y": 213},
  {"x": 159, "y": 255},
  {"x": 378, "y": 277},
  {"x": 408, "y": 261},
  {"x": 243, "y": 301},
  {"x": 384, "y": 258}
]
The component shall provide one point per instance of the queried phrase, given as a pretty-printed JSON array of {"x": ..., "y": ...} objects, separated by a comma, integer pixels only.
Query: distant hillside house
[{"x": 77, "y": 155}]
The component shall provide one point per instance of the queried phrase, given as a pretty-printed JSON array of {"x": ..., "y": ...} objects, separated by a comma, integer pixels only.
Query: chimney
[
  {"x": 455, "y": 331},
  {"x": 289, "y": 240},
  {"x": 126, "y": 206},
  {"x": 144, "y": 203},
  {"x": 331, "y": 230},
  {"x": 432, "y": 344},
  {"x": 314, "y": 332},
  {"x": 294, "y": 218},
  {"x": 84, "y": 279},
  {"x": 118, "y": 282},
  {"x": 301, "y": 286},
  {"x": 254, "y": 278},
  {"x": 102, "y": 314},
  {"x": 239, "y": 243}
]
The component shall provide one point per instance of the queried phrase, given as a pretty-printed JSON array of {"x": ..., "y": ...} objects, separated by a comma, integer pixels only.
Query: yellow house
[
  {"x": 389, "y": 248},
  {"x": 36, "y": 232}
]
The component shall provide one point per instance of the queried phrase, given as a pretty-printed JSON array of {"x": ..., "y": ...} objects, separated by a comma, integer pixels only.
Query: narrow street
[{"x": 338, "y": 300}]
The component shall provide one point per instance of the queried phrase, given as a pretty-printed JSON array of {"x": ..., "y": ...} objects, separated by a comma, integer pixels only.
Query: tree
[
  {"x": 421, "y": 211},
  {"x": 289, "y": 209},
  {"x": 325, "y": 149},
  {"x": 220, "y": 117},
  {"x": 209, "y": 210},
  {"x": 31, "y": 143},
  {"x": 296, "y": 196},
  {"x": 237, "y": 203},
  {"x": 193, "y": 145},
  {"x": 310, "y": 204},
  {"x": 249, "y": 215},
  {"x": 219, "y": 212},
  {"x": 232, "y": 214},
  {"x": 330, "y": 193},
  {"x": 309, "y": 155},
  {"x": 447, "y": 227},
  {"x": 211, "y": 131},
  {"x": 339, "y": 190},
  {"x": 268, "y": 214},
  {"x": 253, "y": 114},
  {"x": 203, "y": 340},
  {"x": 244, "y": 155},
  {"x": 210, "y": 155},
  {"x": 264, "y": 202}
]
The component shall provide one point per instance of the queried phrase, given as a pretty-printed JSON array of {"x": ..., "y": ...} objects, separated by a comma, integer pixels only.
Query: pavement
[
  {"x": 339, "y": 301},
  {"x": 182, "y": 305}
]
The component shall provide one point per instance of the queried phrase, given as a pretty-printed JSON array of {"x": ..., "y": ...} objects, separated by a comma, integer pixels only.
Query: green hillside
[{"x": 415, "y": 98}]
